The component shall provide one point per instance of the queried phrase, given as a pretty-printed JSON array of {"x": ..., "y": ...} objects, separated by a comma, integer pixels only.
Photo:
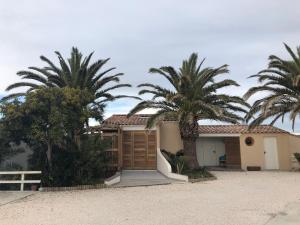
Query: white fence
[{"x": 22, "y": 181}]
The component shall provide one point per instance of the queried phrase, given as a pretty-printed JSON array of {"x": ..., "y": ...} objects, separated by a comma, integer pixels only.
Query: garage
[
  {"x": 219, "y": 151},
  {"x": 209, "y": 150},
  {"x": 139, "y": 149}
]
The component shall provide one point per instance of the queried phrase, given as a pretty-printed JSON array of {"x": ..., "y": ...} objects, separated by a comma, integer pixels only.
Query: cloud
[{"x": 138, "y": 35}]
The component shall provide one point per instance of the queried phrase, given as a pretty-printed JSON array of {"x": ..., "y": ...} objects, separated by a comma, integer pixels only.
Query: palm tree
[
  {"x": 76, "y": 72},
  {"x": 194, "y": 96},
  {"x": 281, "y": 82}
]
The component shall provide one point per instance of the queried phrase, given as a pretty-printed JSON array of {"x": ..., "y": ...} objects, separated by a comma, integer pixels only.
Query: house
[
  {"x": 137, "y": 148},
  {"x": 264, "y": 147}
]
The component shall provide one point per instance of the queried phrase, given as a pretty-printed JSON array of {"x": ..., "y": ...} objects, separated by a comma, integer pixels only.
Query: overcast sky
[{"x": 139, "y": 34}]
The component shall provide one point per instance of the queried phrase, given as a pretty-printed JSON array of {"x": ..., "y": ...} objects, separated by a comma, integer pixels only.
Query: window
[{"x": 249, "y": 141}]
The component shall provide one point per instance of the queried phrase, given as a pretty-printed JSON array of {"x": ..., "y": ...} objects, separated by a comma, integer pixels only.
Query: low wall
[
  {"x": 113, "y": 180},
  {"x": 79, "y": 187},
  {"x": 164, "y": 167}
]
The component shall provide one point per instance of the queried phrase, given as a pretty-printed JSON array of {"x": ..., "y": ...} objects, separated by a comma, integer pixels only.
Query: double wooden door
[{"x": 139, "y": 149}]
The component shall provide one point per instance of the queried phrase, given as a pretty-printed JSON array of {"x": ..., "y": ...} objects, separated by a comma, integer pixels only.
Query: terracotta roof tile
[
  {"x": 121, "y": 119},
  {"x": 238, "y": 129},
  {"x": 141, "y": 119}
]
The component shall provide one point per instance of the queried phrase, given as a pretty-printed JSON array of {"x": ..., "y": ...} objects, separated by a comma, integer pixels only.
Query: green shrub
[
  {"x": 73, "y": 166},
  {"x": 54, "y": 121},
  {"x": 200, "y": 172},
  {"x": 177, "y": 160},
  {"x": 297, "y": 156}
]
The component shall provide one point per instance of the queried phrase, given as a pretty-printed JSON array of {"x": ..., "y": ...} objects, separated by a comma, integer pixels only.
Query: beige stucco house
[{"x": 135, "y": 147}]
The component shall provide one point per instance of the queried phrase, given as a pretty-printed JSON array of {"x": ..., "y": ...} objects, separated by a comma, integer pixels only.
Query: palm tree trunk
[
  {"x": 49, "y": 154},
  {"x": 189, "y": 133},
  {"x": 77, "y": 138},
  {"x": 189, "y": 148}
]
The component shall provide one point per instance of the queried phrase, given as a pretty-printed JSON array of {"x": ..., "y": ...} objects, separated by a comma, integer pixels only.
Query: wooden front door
[{"x": 139, "y": 149}]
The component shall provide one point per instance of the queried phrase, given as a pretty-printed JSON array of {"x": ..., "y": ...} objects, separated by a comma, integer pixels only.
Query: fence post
[{"x": 22, "y": 181}]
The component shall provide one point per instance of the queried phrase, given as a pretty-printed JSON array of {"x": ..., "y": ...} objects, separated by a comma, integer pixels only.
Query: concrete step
[
  {"x": 131, "y": 178},
  {"x": 137, "y": 183}
]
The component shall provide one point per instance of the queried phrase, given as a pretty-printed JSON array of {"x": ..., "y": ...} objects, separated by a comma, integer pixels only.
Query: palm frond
[
  {"x": 281, "y": 82},
  {"x": 13, "y": 96},
  {"x": 21, "y": 84},
  {"x": 74, "y": 72},
  {"x": 192, "y": 96}
]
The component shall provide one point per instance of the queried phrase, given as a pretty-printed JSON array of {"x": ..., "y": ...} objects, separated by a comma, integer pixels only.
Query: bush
[
  {"x": 73, "y": 166},
  {"x": 177, "y": 160},
  {"x": 297, "y": 156},
  {"x": 198, "y": 173},
  {"x": 53, "y": 121}
]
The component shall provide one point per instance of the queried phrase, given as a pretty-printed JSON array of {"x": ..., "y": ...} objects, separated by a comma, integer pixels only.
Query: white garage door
[
  {"x": 271, "y": 155},
  {"x": 209, "y": 150}
]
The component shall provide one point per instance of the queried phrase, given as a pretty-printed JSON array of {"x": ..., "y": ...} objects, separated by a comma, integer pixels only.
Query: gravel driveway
[
  {"x": 11, "y": 196},
  {"x": 236, "y": 198}
]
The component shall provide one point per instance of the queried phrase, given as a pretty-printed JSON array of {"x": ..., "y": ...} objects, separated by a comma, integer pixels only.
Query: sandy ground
[
  {"x": 11, "y": 196},
  {"x": 236, "y": 198},
  {"x": 290, "y": 215}
]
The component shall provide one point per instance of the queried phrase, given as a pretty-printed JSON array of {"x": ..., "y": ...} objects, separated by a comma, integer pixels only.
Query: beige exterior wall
[
  {"x": 254, "y": 155},
  {"x": 294, "y": 146},
  {"x": 170, "y": 139}
]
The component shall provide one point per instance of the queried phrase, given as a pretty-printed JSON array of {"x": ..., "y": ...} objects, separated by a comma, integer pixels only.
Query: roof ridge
[
  {"x": 262, "y": 125},
  {"x": 124, "y": 114},
  {"x": 223, "y": 125},
  {"x": 141, "y": 119},
  {"x": 239, "y": 128}
]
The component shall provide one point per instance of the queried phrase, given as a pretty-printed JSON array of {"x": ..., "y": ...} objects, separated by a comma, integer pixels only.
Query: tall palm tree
[
  {"x": 281, "y": 83},
  {"x": 194, "y": 96},
  {"x": 76, "y": 72}
]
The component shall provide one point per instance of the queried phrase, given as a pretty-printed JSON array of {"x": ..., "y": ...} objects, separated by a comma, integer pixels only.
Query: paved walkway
[
  {"x": 289, "y": 216},
  {"x": 132, "y": 178},
  {"x": 11, "y": 196}
]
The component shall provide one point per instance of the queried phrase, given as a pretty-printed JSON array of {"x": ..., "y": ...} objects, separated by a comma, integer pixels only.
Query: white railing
[{"x": 22, "y": 181}]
